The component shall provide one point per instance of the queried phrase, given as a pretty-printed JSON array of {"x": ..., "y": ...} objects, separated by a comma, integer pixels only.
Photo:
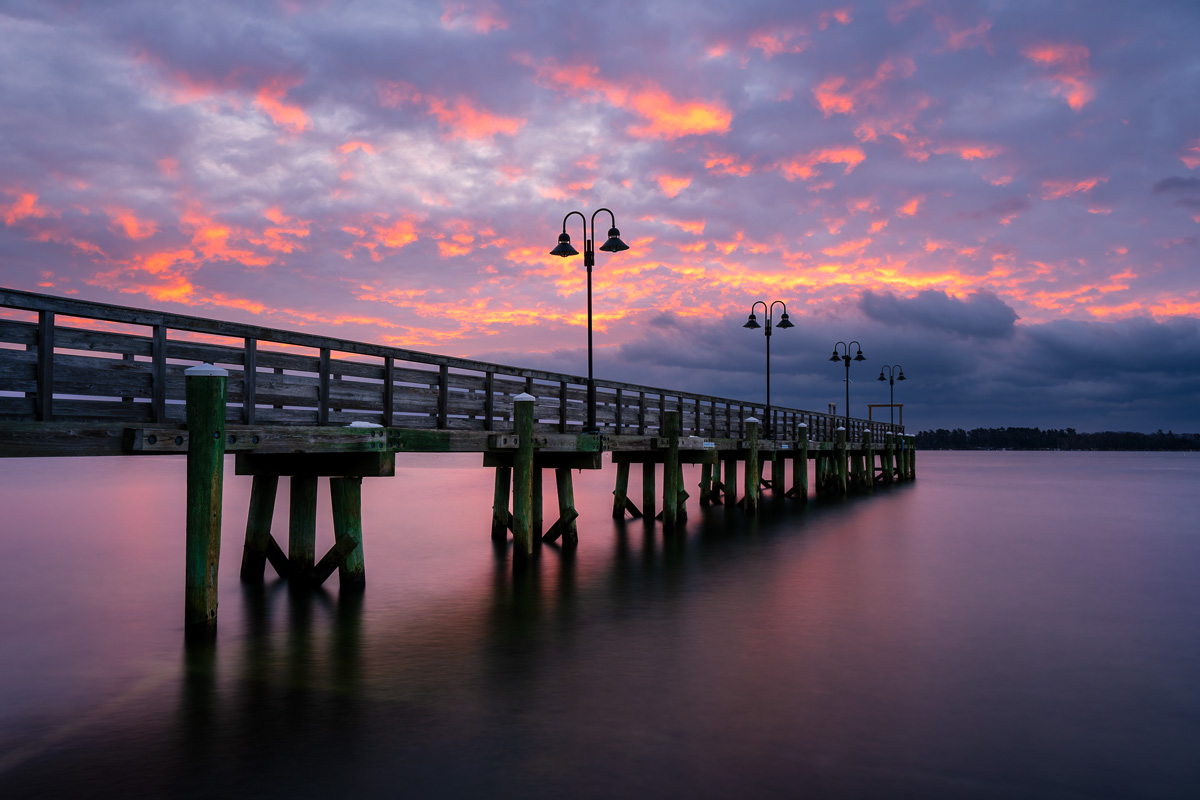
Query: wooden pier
[{"x": 91, "y": 379}]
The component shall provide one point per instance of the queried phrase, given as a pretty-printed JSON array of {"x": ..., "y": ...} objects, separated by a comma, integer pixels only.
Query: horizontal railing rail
[{"x": 84, "y": 361}]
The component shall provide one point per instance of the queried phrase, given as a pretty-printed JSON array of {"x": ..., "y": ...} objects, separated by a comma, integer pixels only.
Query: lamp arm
[{"x": 611, "y": 216}]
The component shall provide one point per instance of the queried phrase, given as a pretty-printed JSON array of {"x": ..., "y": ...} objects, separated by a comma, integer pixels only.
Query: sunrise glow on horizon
[{"x": 990, "y": 191}]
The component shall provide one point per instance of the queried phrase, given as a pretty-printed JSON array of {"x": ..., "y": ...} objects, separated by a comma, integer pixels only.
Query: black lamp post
[
  {"x": 891, "y": 379},
  {"x": 845, "y": 356},
  {"x": 564, "y": 249},
  {"x": 784, "y": 324}
]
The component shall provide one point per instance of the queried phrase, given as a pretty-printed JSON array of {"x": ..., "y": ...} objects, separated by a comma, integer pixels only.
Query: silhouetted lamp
[
  {"x": 891, "y": 378},
  {"x": 784, "y": 323},
  {"x": 564, "y": 249},
  {"x": 845, "y": 356}
]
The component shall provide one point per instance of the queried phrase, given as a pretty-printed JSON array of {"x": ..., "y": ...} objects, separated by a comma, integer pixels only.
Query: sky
[{"x": 1002, "y": 198}]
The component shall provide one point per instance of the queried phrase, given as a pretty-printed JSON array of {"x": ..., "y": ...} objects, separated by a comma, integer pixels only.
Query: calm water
[{"x": 1010, "y": 625}]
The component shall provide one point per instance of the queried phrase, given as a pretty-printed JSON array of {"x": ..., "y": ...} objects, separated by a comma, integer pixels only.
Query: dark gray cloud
[
  {"x": 1176, "y": 184},
  {"x": 980, "y": 314}
]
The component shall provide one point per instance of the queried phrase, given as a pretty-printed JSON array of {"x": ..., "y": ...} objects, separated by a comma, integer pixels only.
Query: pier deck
[{"x": 92, "y": 379}]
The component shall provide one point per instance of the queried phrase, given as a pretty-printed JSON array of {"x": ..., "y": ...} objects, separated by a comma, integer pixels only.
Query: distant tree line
[{"x": 1053, "y": 439}]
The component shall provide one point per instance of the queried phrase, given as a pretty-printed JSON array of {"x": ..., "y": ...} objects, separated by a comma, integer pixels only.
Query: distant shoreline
[{"x": 1066, "y": 439}]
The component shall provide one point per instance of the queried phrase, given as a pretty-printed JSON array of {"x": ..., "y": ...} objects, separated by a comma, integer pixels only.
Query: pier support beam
[
  {"x": 205, "y": 393},
  {"x": 523, "y": 477},
  {"x": 501, "y": 517},
  {"x": 670, "y": 512},
  {"x": 800, "y": 465},
  {"x": 648, "y": 489},
  {"x": 258, "y": 527},
  {"x": 346, "y": 496},
  {"x": 753, "y": 475}
]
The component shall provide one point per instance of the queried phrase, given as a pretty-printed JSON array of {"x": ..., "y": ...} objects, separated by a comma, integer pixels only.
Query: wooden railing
[{"x": 72, "y": 360}]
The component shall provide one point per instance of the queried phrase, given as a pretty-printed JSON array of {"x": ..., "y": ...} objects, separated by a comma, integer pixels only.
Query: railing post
[
  {"x": 389, "y": 391},
  {"x": 443, "y": 396},
  {"x": 323, "y": 388},
  {"x": 158, "y": 388},
  {"x": 205, "y": 397},
  {"x": 562, "y": 406},
  {"x": 617, "y": 414},
  {"x": 44, "y": 408},
  {"x": 489, "y": 399},
  {"x": 249, "y": 380}
]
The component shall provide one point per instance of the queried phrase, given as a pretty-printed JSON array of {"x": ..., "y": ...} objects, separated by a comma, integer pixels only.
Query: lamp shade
[
  {"x": 835, "y": 356},
  {"x": 614, "y": 243},
  {"x": 860, "y": 356},
  {"x": 902, "y": 378},
  {"x": 784, "y": 322},
  {"x": 752, "y": 323},
  {"x": 881, "y": 376},
  {"x": 564, "y": 248}
]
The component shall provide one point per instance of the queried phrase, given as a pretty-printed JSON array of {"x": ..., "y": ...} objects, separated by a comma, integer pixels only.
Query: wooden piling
[
  {"x": 753, "y": 476},
  {"x": 346, "y": 496},
  {"x": 885, "y": 458},
  {"x": 670, "y": 512},
  {"x": 263, "y": 491},
  {"x": 566, "y": 525},
  {"x": 205, "y": 393},
  {"x": 523, "y": 476},
  {"x": 621, "y": 492},
  {"x": 501, "y": 516},
  {"x": 302, "y": 527},
  {"x": 536, "y": 503},
  {"x": 648, "y": 480},
  {"x": 706, "y": 479},
  {"x": 730, "y": 482}
]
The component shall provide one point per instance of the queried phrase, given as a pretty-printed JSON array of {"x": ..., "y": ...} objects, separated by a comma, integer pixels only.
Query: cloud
[{"x": 979, "y": 314}]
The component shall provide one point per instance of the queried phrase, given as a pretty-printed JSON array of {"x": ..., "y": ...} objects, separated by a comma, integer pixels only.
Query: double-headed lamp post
[
  {"x": 564, "y": 249},
  {"x": 845, "y": 356},
  {"x": 784, "y": 324},
  {"x": 891, "y": 378}
]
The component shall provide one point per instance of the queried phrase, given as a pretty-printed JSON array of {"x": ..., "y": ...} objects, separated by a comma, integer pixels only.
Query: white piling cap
[
  {"x": 358, "y": 423},
  {"x": 802, "y": 425},
  {"x": 751, "y": 419},
  {"x": 840, "y": 428},
  {"x": 524, "y": 397},
  {"x": 205, "y": 370}
]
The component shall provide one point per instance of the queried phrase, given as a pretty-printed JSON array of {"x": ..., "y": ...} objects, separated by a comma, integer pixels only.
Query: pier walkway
[{"x": 92, "y": 379}]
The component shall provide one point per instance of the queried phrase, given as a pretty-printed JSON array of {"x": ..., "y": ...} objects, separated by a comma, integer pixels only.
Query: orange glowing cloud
[
  {"x": 1069, "y": 73},
  {"x": 270, "y": 98},
  {"x": 840, "y": 15},
  {"x": 1191, "y": 156},
  {"x": 909, "y": 209},
  {"x": 24, "y": 207},
  {"x": 276, "y": 237},
  {"x": 351, "y": 146},
  {"x": 125, "y": 220},
  {"x": 774, "y": 41},
  {"x": 467, "y": 121},
  {"x": 806, "y": 167},
  {"x": 665, "y": 116},
  {"x": 1053, "y": 190},
  {"x": 845, "y": 248},
  {"x": 835, "y": 95},
  {"x": 724, "y": 164},
  {"x": 672, "y": 186}
]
